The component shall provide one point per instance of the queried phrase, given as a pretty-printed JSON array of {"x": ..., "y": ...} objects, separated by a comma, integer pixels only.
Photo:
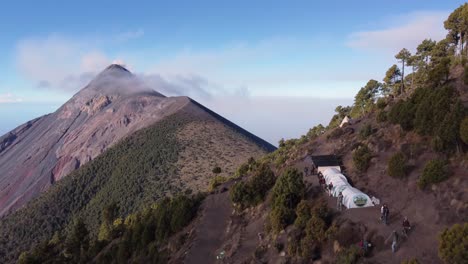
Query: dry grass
[{"x": 212, "y": 144}]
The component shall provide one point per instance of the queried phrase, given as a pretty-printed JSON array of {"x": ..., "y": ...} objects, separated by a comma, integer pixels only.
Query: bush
[
  {"x": 216, "y": 181},
  {"x": 381, "y": 116},
  {"x": 397, "y": 165},
  {"x": 216, "y": 170},
  {"x": 361, "y": 158},
  {"x": 365, "y": 131},
  {"x": 435, "y": 171},
  {"x": 381, "y": 103},
  {"x": 253, "y": 191},
  {"x": 453, "y": 244},
  {"x": 303, "y": 213},
  {"x": 464, "y": 130},
  {"x": 350, "y": 255},
  {"x": 288, "y": 191}
]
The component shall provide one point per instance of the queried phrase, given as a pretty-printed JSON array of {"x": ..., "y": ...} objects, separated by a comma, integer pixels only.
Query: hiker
[
  {"x": 339, "y": 204},
  {"x": 406, "y": 226},
  {"x": 365, "y": 246},
  {"x": 322, "y": 182},
  {"x": 384, "y": 211},
  {"x": 306, "y": 171},
  {"x": 394, "y": 241},
  {"x": 330, "y": 188}
]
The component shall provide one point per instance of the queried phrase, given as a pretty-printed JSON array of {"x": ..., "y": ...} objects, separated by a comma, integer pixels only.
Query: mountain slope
[
  {"x": 112, "y": 106},
  {"x": 146, "y": 166}
]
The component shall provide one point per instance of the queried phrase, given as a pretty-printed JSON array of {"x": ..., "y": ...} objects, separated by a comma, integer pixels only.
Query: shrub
[
  {"x": 216, "y": 181},
  {"x": 253, "y": 191},
  {"x": 365, "y": 131},
  {"x": 350, "y": 255},
  {"x": 464, "y": 130},
  {"x": 381, "y": 116},
  {"x": 288, "y": 191},
  {"x": 216, "y": 170},
  {"x": 303, "y": 213},
  {"x": 381, "y": 103},
  {"x": 397, "y": 165},
  {"x": 435, "y": 171},
  {"x": 361, "y": 158},
  {"x": 453, "y": 244}
]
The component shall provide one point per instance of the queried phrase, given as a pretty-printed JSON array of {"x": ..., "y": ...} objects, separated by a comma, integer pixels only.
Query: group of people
[
  {"x": 329, "y": 188},
  {"x": 384, "y": 212},
  {"x": 384, "y": 216}
]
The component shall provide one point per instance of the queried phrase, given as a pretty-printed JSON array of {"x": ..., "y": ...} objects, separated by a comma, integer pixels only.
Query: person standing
[
  {"x": 322, "y": 182},
  {"x": 394, "y": 241},
  {"x": 384, "y": 211},
  {"x": 330, "y": 188},
  {"x": 339, "y": 204}
]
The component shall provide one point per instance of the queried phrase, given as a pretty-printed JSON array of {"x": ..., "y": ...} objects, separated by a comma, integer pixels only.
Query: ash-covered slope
[{"x": 42, "y": 151}]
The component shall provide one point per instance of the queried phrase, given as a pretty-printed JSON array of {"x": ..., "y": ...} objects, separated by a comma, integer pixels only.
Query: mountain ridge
[{"x": 112, "y": 106}]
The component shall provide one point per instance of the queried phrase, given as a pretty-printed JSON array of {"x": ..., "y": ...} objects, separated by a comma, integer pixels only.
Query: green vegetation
[
  {"x": 217, "y": 181},
  {"x": 453, "y": 244},
  {"x": 361, "y": 158},
  {"x": 216, "y": 170},
  {"x": 435, "y": 171},
  {"x": 381, "y": 103},
  {"x": 397, "y": 165},
  {"x": 365, "y": 98},
  {"x": 341, "y": 112},
  {"x": 252, "y": 192},
  {"x": 288, "y": 191},
  {"x": 382, "y": 116},
  {"x": 365, "y": 131},
  {"x": 350, "y": 255},
  {"x": 136, "y": 172},
  {"x": 141, "y": 237},
  {"x": 434, "y": 112},
  {"x": 312, "y": 228}
]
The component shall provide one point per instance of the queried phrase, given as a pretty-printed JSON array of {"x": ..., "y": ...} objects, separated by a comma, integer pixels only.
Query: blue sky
[{"x": 248, "y": 50}]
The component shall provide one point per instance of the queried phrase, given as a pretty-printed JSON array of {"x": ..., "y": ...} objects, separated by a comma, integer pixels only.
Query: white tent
[
  {"x": 345, "y": 120},
  {"x": 352, "y": 197}
]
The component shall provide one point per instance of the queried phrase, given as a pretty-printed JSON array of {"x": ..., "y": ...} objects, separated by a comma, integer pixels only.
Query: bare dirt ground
[{"x": 210, "y": 231}]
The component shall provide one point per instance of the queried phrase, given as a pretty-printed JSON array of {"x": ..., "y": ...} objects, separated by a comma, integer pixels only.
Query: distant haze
[{"x": 270, "y": 118}]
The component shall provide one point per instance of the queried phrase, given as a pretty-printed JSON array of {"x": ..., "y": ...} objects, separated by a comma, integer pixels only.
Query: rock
[
  {"x": 434, "y": 187},
  {"x": 282, "y": 254}
]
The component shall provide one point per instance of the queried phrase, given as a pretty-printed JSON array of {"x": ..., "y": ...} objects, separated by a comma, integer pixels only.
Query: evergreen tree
[
  {"x": 403, "y": 56},
  {"x": 392, "y": 78}
]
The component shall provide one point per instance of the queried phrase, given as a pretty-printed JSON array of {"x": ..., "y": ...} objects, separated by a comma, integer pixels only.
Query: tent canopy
[{"x": 352, "y": 197}]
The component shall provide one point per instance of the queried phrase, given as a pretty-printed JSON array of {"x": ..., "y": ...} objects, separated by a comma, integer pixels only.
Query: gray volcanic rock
[{"x": 112, "y": 106}]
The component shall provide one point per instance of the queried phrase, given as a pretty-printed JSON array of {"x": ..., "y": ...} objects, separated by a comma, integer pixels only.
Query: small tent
[
  {"x": 352, "y": 197},
  {"x": 346, "y": 120}
]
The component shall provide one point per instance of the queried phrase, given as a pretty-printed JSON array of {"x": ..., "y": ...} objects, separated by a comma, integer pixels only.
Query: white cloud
[
  {"x": 58, "y": 62},
  {"x": 9, "y": 98},
  {"x": 405, "y": 31}
]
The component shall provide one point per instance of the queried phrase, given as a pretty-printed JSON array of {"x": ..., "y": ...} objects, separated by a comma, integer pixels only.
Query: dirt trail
[{"x": 210, "y": 232}]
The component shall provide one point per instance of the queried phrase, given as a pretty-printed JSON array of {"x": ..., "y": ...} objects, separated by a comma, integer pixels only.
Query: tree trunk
[
  {"x": 402, "y": 88},
  {"x": 412, "y": 78}
]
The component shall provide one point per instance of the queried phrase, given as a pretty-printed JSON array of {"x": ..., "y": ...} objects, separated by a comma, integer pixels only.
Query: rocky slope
[{"x": 112, "y": 106}]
